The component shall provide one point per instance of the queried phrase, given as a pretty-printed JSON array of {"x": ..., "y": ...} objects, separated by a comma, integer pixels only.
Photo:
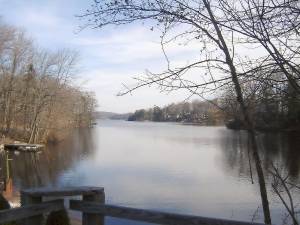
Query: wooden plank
[
  {"x": 31, "y": 200},
  {"x": 66, "y": 191},
  {"x": 30, "y": 210},
  {"x": 23, "y": 147},
  {"x": 92, "y": 218},
  {"x": 149, "y": 215}
]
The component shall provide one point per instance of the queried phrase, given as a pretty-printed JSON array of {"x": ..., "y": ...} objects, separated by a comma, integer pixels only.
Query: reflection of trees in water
[
  {"x": 283, "y": 149},
  {"x": 286, "y": 151},
  {"x": 234, "y": 152},
  {"x": 43, "y": 169}
]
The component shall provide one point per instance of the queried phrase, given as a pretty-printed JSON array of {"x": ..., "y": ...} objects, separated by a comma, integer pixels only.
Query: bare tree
[
  {"x": 274, "y": 25},
  {"x": 283, "y": 187},
  {"x": 35, "y": 86},
  {"x": 218, "y": 63}
]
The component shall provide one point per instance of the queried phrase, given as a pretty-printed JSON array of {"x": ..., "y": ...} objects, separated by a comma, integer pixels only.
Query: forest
[
  {"x": 38, "y": 100},
  {"x": 272, "y": 107},
  {"x": 199, "y": 112}
]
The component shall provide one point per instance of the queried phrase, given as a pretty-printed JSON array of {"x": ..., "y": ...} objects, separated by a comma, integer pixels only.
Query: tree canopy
[{"x": 37, "y": 97}]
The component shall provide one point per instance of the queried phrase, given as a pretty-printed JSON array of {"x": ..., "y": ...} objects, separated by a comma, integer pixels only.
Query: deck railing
[{"x": 94, "y": 209}]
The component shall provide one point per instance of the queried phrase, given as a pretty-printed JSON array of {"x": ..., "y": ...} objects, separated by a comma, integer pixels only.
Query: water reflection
[
  {"x": 186, "y": 169},
  {"x": 281, "y": 149},
  {"x": 44, "y": 168}
]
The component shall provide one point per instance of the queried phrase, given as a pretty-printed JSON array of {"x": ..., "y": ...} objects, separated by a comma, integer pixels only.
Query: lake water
[{"x": 171, "y": 167}]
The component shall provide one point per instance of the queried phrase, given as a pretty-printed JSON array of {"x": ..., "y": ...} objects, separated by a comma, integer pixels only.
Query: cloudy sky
[{"x": 109, "y": 57}]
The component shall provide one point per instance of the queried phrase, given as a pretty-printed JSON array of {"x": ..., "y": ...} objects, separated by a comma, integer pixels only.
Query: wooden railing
[
  {"x": 94, "y": 209},
  {"x": 30, "y": 211},
  {"x": 89, "y": 194}
]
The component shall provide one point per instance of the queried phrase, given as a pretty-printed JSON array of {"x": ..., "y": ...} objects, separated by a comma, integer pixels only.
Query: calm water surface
[{"x": 170, "y": 167}]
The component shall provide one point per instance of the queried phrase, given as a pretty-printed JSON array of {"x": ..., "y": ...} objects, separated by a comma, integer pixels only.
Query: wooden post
[
  {"x": 30, "y": 200},
  {"x": 92, "y": 218},
  {"x": 7, "y": 166}
]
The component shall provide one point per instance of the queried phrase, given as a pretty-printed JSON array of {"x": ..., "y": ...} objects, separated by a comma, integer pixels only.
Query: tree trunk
[{"x": 248, "y": 121}]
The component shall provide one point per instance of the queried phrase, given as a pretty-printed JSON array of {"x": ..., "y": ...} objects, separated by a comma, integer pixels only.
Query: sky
[{"x": 109, "y": 57}]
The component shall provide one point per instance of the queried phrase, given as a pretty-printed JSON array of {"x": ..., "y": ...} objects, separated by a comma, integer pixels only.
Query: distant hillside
[
  {"x": 200, "y": 112},
  {"x": 103, "y": 115},
  {"x": 111, "y": 115}
]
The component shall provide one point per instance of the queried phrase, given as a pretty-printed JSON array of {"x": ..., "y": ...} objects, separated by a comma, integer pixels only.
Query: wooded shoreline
[{"x": 38, "y": 98}]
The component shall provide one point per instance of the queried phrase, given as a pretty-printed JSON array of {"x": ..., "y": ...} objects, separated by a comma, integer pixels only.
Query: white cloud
[
  {"x": 109, "y": 57},
  {"x": 107, "y": 83},
  {"x": 131, "y": 46},
  {"x": 36, "y": 17}
]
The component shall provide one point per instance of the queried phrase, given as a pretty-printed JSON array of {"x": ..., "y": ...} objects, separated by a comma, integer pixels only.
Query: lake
[{"x": 167, "y": 166}]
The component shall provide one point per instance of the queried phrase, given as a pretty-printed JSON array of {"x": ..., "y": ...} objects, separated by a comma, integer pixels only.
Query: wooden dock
[
  {"x": 23, "y": 147},
  {"x": 94, "y": 209}
]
